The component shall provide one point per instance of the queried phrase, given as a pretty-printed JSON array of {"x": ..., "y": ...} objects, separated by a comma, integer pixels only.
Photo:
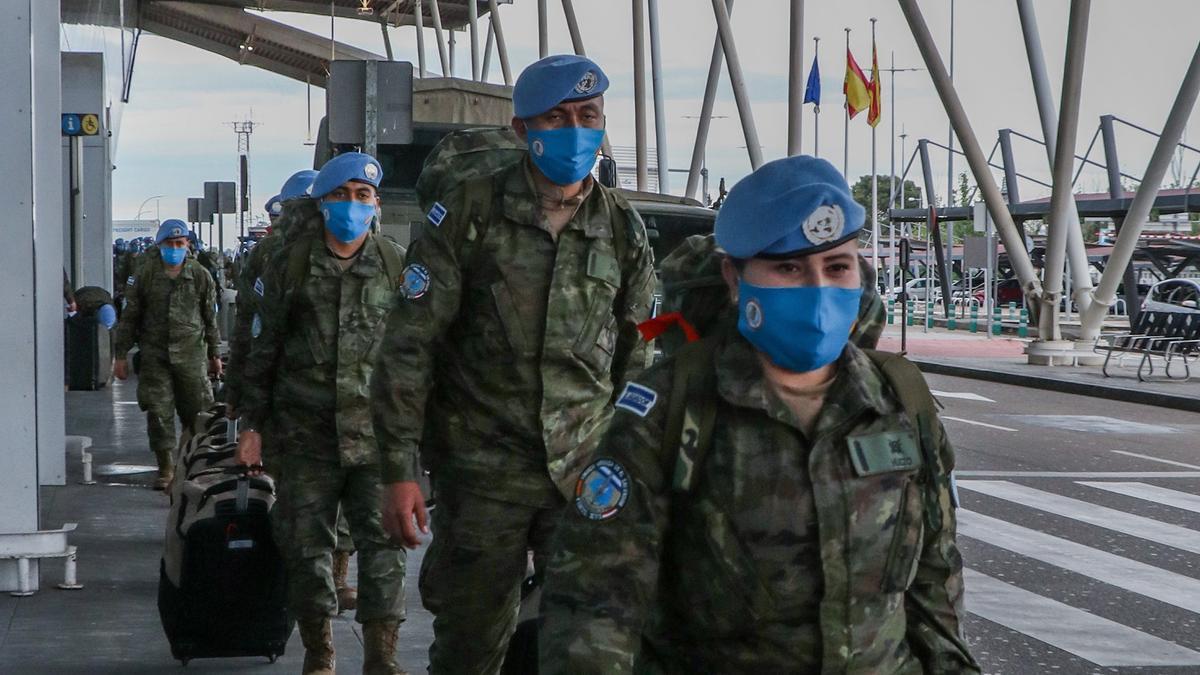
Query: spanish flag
[
  {"x": 856, "y": 89},
  {"x": 876, "y": 108}
]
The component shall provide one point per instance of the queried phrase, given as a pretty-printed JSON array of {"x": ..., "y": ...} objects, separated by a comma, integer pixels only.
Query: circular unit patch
[
  {"x": 602, "y": 490},
  {"x": 416, "y": 281},
  {"x": 825, "y": 224},
  {"x": 538, "y": 147},
  {"x": 754, "y": 314}
]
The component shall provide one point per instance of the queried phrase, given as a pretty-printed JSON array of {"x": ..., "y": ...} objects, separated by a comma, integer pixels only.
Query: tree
[{"x": 862, "y": 194}]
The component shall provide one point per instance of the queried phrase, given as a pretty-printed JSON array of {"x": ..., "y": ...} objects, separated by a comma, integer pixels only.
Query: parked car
[
  {"x": 920, "y": 289},
  {"x": 670, "y": 219},
  {"x": 1173, "y": 295}
]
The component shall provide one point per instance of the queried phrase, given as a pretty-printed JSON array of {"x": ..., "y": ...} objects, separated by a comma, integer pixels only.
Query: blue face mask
[
  {"x": 347, "y": 221},
  {"x": 800, "y": 328},
  {"x": 566, "y": 155},
  {"x": 173, "y": 256}
]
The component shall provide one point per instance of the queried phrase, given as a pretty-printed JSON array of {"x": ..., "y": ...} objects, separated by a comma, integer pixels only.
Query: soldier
[
  {"x": 170, "y": 314},
  {"x": 281, "y": 209},
  {"x": 517, "y": 322},
  {"x": 314, "y": 338},
  {"x": 771, "y": 499}
]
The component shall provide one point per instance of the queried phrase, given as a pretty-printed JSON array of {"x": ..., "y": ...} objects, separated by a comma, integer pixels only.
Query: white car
[
  {"x": 1173, "y": 295},
  {"x": 919, "y": 288}
]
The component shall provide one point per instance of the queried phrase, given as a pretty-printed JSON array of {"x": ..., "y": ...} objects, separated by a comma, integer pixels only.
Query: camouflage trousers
[
  {"x": 167, "y": 390},
  {"x": 310, "y": 495},
  {"x": 471, "y": 576}
]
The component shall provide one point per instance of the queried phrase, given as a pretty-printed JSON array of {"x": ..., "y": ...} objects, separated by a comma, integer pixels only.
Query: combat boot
[
  {"x": 166, "y": 471},
  {"x": 379, "y": 648},
  {"x": 347, "y": 595},
  {"x": 317, "y": 636}
]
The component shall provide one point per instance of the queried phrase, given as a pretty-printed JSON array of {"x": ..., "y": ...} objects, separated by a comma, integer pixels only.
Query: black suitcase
[
  {"x": 230, "y": 600},
  {"x": 89, "y": 353}
]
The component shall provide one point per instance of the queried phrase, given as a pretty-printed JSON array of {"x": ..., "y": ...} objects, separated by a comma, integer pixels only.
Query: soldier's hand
[
  {"x": 249, "y": 451},
  {"x": 401, "y": 502},
  {"x": 216, "y": 367},
  {"x": 120, "y": 369}
]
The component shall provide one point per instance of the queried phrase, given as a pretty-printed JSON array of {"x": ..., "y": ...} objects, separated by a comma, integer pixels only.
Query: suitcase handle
[
  {"x": 231, "y": 431},
  {"x": 243, "y": 494}
]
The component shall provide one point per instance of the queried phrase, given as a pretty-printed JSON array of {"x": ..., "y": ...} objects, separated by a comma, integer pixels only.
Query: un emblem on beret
[
  {"x": 754, "y": 314},
  {"x": 587, "y": 83},
  {"x": 276, "y": 208},
  {"x": 826, "y": 224},
  {"x": 370, "y": 172}
]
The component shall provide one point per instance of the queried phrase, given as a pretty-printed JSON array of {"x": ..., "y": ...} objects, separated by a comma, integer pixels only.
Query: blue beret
[
  {"x": 299, "y": 185},
  {"x": 795, "y": 205},
  {"x": 274, "y": 206},
  {"x": 348, "y": 166},
  {"x": 555, "y": 79},
  {"x": 169, "y": 229}
]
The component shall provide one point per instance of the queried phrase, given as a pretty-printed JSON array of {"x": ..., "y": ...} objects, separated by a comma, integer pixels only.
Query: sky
[{"x": 175, "y": 132}]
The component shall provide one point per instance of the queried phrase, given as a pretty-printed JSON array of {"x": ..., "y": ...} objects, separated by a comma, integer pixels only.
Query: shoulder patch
[
  {"x": 415, "y": 282},
  {"x": 259, "y": 287},
  {"x": 637, "y": 399},
  {"x": 602, "y": 490},
  {"x": 437, "y": 214},
  {"x": 130, "y": 281}
]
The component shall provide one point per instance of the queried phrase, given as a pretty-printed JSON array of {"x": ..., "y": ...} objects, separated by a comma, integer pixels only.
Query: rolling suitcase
[
  {"x": 221, "y": 589},
  {"x": 89, "y": 353}
]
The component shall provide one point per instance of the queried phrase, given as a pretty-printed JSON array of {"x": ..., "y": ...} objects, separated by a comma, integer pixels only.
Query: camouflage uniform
[
  {"x": 174, "y": 323},
  {"x": 502, "y": 367},
  {"x": 305, "y": 389},
  {"x": 782, "y": 554},
  {"x": 254, "y": 264}
]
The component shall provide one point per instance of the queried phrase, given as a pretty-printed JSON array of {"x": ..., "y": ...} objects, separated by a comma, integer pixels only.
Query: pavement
[
  {"x": 1080, "y": 531},
  {"x": 1002, "y": 359}
]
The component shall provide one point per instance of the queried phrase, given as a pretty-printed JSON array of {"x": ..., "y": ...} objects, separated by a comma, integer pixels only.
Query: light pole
[
  {"x": 892, "y": 176},
  {"x": 157, "y": 206}
]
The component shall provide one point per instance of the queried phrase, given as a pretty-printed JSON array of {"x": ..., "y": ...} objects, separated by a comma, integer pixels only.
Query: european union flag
[{"x": 812, "y": 90}]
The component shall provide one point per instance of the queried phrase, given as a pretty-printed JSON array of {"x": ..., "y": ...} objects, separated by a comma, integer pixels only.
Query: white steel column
[
  {"x": 738, "y": 82},
  {"x": 706, "y": 108},
  {"x": 419, "y": 20},
  {"x": 1014, "y": 241},
  {"x": 473, "y": 20},
  {"x": 796, "y": 79},
  {"x": 31, "y": 262},
  {"x": 435, "y": 13},
  {"x": 639, "y": 91},
  {"x": 1081, "y": 279},
  {"x": 543, "y": 30},
  {"x": 501, "y": 46},
  {"x": 1064, "y": 163},
  {"x": 660, "y": 121},
  {"x": 573, "y": 28},
  {"x": 1143, "y": 200}
]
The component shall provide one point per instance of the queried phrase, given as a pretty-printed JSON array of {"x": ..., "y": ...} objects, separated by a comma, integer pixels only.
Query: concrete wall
[
  {"x": 31, "y": 335},
  {"x": 83, "y": 91}
]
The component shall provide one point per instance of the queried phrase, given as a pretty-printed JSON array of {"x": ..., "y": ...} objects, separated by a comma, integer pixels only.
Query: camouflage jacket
[
  {"x": 787, "y": 554},
  {"x": 171, "y": 319},
  {"x": 503, "y": 365},
  {"x": 305, "y": 378},
  {"x": 249, "y": 291}
]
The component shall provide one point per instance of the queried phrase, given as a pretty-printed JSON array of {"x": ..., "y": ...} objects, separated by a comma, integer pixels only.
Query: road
[{"x": 1079, "y": 528}]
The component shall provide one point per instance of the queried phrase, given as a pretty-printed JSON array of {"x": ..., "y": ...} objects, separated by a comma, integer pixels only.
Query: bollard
[
  {"x": 996, "y": 320},
  {"x": 952, "y": 320},
  {"x": 891, "y": 312},
  {"x": 928, "y": 314},
  {"x": 1012, "y": 311},
  {"x": 1023, "y": 326},
  {"x": 70, "y": 580},
  {"x": 912, "y": 312},
  {"x": 974, "y": 318},
  {"x": 87, "y": 469}
]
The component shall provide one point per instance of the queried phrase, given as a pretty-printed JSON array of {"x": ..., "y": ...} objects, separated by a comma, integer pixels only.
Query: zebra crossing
[{"x": 1004, "y": 510}]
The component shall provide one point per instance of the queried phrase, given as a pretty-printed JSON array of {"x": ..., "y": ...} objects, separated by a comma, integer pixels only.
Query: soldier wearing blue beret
[
  {"x": 771, "y": 499},
  {"x": 516, "y": 327},
  {"x": 170, "y": 315},
  {"x": 318, "y": 315}
]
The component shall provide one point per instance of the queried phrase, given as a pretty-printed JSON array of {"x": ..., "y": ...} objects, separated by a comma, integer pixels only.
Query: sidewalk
[
  {"x": 1002, "y": 359},
  {"x": 112, "y": 624}
]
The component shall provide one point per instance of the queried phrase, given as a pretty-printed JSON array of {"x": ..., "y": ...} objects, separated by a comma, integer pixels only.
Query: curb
[{"x": 1109, "y": 392}]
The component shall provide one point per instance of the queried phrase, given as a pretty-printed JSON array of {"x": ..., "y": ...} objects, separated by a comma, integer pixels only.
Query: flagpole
[
  {"x": 846, "y": 135},
  {"x": 892, "y": 185},
  {"x": 817, "y": 107},
  {"x": 874, "y": 173}
]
